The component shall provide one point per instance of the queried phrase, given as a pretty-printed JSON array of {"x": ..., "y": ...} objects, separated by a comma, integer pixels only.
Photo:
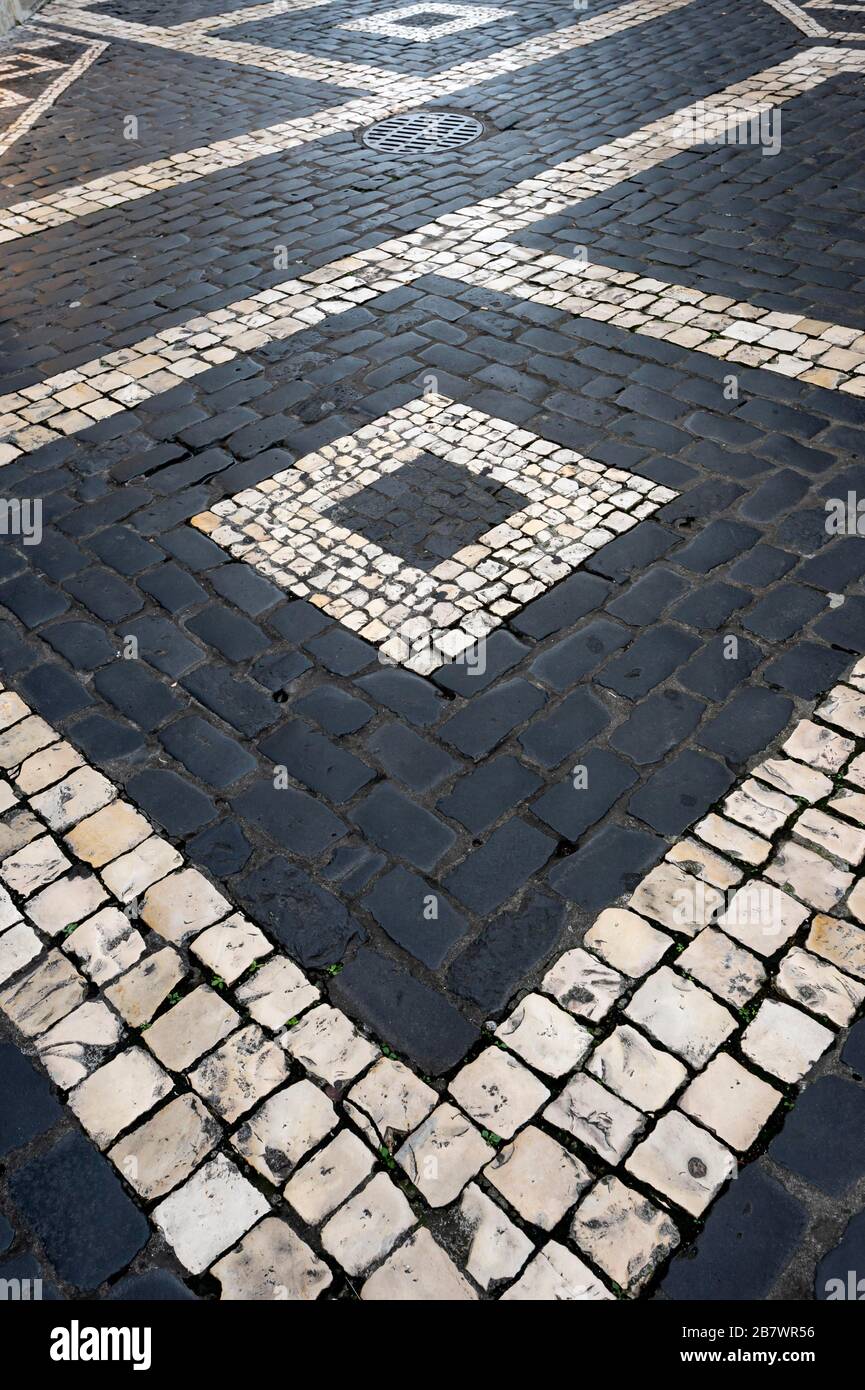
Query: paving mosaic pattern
[
  {"x": 567, "y": 1159},
  {"x": 35, "y": 67},
  {"x": 434, "y": 683},
  {"x": 389, "y": 531}
]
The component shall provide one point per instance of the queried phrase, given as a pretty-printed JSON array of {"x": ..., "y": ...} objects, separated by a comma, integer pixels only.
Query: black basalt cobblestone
[{"x": 463, "y": 787}]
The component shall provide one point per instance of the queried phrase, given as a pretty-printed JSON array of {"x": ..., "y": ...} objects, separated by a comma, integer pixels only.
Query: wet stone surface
[{"x": 432, "y": 734}]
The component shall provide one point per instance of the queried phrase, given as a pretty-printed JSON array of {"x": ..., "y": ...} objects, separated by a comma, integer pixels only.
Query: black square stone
[
  {"x": 310, "y": 922},
  {"x": 425, "y": 20},
  {"x": 491, "y": 874},
  {"x": 610, "y": 864},
  {"x": 479, "y": 799},
  {"x": 572, "y": 807},
  {"x": 75, "y": 1202},
  {"x": 412, "y": 1017},
  {"x": 748, "y": 1238},
  {"x": 426, "y": 510},
  {"x": 831, "y": 1107},
  {"x": 681, "y": 792},
  {"x": 28, "y": 1107},
  {"x": 419, "y": 920},
  {"x": 507, "y": 949}
]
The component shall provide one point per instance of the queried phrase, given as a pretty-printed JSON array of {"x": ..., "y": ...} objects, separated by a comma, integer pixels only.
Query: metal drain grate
[{"x": 422, "y": 132}]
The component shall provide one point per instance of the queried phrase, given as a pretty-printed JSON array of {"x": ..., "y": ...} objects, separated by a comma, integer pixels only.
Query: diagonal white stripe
[
  {"x": 300, "y": 64},
  {"x": 33, "y": 215},
  {"x": 47, "y": 98},
  {"x": 454, "y": 245}
]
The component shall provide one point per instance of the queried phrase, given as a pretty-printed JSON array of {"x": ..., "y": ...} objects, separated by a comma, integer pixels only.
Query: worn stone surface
[
  {"x": 442, "y": 1155},
  {"x": 701, "y": 862},
  {"x": 818, "y": 747},
  {"x": 19, "y": 945},
  {"x": 118, "y": 1094},
  {"x": 784, "y": 1041},
  {"x": 24, "y": 738},
  {"x": 641, "y": 1074},
  {"x": 623, "y": 1233},
  {"x": 762, "y": 917},
  {"x": 627, "y": 942},
  {"x": 497, "y": 1248},
  {"x": 728, "y": 970},
  {"x": 583, "y": 985},
  {"x": 676, "y": 899},
  {"x": 108, "y": 834},
  {"x": 329, "y": 1046},
  {"x": 498, "y": 1092},
  {"x": 140, "y": 992},
  {"x": 368, "y": 1225},
  {"x": 283, "y": 1129},
  {"x": 32, "y": 867},
  {"x": 556, "y": 1275},
  {"x": 17, "y": 829},
  {"x": 544, "y": 1036},
  {"x": 276, "y": 993},
  {"x": 211, "y": 1211},
  {"x": 389, "y": 1102},
  {"x": 819, "y": 987},
  {"x": 682, "y": 1162},
  {"x": 130, "y": 875},
  {"x": 66, "y": 902},
  {"x": 840, "y": 942},
  {"x": 329, "y": 1177},
  {"x": 76, "y": 1045},
  {"x": 600, "y": 1120},
  {"x": 182, "y": 904},
  {"x": 236, "y": 1075},
  {"x": 812, "y": 878},
  {"x": 794, "y": 779},
  {"x": 164, "y": 1150},
  {"x": 47, "y": 993},
  {"x": 41, "y": 769},
  {"x": 272, "y": 1262},
  {"x": 419, "y": 1271},
  {"x": 79, "y": 795},
  {"x": 731, "y": 1101},
  {"x": 231, "y": 947},
  {"x": 192, "y": 1027},
  {"x": 681, "y": 1015},
  {"x": 538, "y": 1177},
  {"x": 105, "y": 945}
]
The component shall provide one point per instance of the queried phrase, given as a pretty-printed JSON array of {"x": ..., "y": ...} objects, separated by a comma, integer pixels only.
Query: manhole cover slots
[{"x": 422, "y": 132}]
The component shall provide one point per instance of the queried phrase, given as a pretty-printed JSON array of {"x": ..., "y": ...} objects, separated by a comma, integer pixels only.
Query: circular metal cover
[{"x": 422, "y": 132}]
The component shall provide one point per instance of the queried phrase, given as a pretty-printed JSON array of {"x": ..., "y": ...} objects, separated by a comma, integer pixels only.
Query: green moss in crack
[{"x": 492, "y": 1139}]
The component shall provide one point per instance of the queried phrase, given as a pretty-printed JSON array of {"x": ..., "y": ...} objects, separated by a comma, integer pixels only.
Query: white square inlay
[
  {"x": 427, "y": 528},
  {"x": 455, "y": 19}
]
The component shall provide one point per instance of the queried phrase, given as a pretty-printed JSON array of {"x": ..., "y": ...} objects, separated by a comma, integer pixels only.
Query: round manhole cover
[{"x": 422, "y": 132}]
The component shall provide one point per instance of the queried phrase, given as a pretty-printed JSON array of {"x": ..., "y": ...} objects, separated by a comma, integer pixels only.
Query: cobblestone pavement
[{"x": 432, "y": 806}]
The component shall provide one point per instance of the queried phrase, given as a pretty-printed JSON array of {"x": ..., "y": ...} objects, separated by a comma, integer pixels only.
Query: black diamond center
[
  {"x": 427, "y": 510},
  {"x": 426, "y": 20}
]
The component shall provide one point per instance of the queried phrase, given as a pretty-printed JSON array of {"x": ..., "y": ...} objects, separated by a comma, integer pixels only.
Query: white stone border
[
  {"x": 390, "y": 24},
  {"x": 47, "y": 98},
  {"x": 60, "y": 206},
  {"x": 418, "y": 618},
  {"x": 460, "y": 246},
  {"x": 807, "y": 24},
  {"x": 192, "y": 39},
  {"x": 688, "y": 1073}
]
